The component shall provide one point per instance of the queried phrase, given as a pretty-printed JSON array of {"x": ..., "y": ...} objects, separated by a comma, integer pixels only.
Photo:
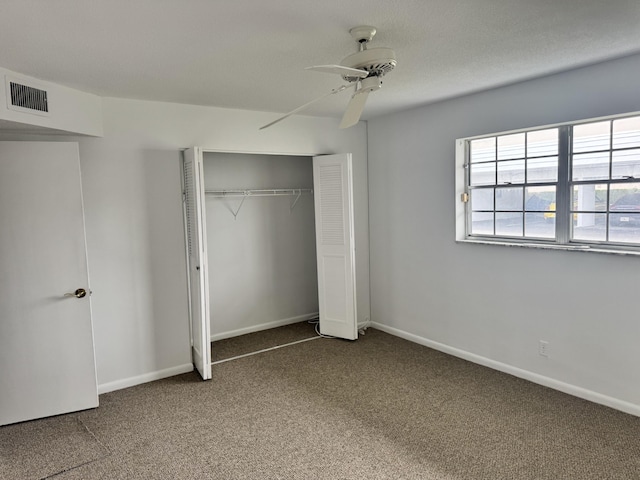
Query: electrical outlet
[{"x": 543, "y": 348}]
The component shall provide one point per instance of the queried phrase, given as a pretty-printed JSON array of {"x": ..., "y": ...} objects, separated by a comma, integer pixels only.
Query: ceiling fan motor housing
[{"x": 377, "y": 61}]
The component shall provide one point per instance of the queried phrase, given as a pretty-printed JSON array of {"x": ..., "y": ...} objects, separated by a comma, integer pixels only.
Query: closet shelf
[
  {"x": 271, "y": 192},
  {"x": 258, "y": 193}
]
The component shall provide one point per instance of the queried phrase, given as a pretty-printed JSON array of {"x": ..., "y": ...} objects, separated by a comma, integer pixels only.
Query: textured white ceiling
[{"x": 251, "y": 54}]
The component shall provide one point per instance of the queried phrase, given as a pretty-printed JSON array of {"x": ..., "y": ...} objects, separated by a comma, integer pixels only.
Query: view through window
[{"x": 571, "y": 184}]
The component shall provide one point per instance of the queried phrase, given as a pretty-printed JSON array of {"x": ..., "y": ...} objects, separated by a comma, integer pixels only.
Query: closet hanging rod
[
  {"x": 271, "y": 192},
  {"x": 258, "y": 193}
]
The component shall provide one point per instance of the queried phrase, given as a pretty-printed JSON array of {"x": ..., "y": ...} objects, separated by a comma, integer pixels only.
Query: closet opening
[
  {"x": 261, "y": 244},
  {"x": 270, "y": 246}
]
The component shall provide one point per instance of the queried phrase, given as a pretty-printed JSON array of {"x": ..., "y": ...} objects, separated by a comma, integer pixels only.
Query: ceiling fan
[{"x": 362, "y": 70}]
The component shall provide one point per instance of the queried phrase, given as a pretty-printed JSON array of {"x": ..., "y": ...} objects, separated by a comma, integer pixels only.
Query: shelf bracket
[
  {"x": 293, "y": 205},
  {"x": 237, "y": 210}
]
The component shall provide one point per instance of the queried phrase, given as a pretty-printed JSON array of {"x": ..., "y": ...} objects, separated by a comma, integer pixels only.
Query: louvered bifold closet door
[
  {"x": 333, "y": 198},
  {"x": 197, "y": 258}
]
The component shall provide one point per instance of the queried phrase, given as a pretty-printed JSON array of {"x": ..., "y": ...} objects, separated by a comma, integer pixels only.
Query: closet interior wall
[{"x": 262, "y": 262}]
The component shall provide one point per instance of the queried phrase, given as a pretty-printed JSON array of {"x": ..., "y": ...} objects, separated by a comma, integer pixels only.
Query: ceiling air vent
[{"x": 26, "y": 98}]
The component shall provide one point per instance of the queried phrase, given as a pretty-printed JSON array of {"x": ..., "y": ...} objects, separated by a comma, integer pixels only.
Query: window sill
[{"x": 542, "y": 246}]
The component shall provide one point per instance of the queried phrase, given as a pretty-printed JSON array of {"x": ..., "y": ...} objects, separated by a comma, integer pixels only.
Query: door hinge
[{"x": 464, "y": 198}]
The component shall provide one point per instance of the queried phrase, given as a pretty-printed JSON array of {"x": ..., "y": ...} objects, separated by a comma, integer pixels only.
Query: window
[{"x": 570, "y": 185}]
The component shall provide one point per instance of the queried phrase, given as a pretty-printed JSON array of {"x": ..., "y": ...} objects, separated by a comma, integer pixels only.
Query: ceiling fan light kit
[
  {"x": 362, "y": 70},
  {"x": 369, "y": 84}
]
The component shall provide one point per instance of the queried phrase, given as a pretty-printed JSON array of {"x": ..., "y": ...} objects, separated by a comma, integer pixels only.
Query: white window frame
[{"x": 564, "y": 184}]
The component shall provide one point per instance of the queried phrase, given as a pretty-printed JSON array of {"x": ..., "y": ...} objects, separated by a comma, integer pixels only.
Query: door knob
[{"x": 79, "y": 293}]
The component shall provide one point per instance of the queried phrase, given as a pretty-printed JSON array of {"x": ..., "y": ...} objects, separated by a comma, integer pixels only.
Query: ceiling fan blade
[
  {"x": 340, "y": 70},
  {"x": 354, "y": 109},
  {"x": 302, "y": 107}
]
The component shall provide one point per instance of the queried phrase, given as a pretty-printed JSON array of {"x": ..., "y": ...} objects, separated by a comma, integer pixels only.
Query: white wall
[
  {"x": 493, "y": 304},
  {"x": 262, "y": 263},
  {"x": 131, "y": 183}
]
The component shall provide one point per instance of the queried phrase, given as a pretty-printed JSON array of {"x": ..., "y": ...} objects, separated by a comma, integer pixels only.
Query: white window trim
[{"x": 461, "y": 190}]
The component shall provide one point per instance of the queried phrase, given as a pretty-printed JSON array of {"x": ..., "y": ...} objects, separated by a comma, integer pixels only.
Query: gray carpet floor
[{"x": 377, "y": 408}]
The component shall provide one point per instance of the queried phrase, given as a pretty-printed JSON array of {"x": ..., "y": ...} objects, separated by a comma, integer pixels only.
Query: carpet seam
[{"x": 102, "y": 457}]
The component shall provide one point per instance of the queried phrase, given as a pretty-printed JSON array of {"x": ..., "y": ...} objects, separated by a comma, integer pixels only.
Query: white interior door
[
  {"x": 47, "y": 363},
  {"x": 333, "y": 197},
  {"x": 197, "y": 257}
]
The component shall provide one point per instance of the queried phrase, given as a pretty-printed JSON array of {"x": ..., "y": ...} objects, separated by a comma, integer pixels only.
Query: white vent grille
[{"x": 27, "y": 97}]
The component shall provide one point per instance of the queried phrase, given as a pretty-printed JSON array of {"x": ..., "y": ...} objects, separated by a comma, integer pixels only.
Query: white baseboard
[
  {"x": 574, "y": 390},
  {"x": 147, "y": 377},
  {"x": 263, "y": 326}
]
